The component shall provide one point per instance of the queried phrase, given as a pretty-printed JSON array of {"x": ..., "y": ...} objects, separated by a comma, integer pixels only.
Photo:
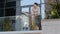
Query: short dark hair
[{"x": 36, "y": 4}]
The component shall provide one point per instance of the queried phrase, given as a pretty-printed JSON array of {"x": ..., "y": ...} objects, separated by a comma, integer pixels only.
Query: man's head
[{"x": 35, "y": 5}]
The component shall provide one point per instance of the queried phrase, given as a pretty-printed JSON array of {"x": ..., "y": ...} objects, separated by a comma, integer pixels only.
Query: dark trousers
[{"x": 38, "y": 21}]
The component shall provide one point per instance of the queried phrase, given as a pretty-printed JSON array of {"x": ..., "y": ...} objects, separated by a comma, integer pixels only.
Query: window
[
  {"x": 11, "y": 4},
  {"x": 29, "y": 2},
  {"x": 10, "y": 12},
  {"x": 10, "y": 9},
  {"x": 1, "y": 8},
  {"x": 42, "y": 1},
  {"x": 43, "y": 11},
  {"x": 13, "y": 25},
  {"x": 25, "y": 9},
  {"x": 2, "y": 5},
  {"x": 1, "y": 12},
  {"x": 1, "y": 0},
  {"x": 1, "y": 23},
  {"x": 13, "y": 20}
]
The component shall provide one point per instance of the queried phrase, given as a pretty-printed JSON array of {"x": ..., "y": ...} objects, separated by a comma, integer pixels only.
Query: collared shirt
[{"x": 36, "y": 11}]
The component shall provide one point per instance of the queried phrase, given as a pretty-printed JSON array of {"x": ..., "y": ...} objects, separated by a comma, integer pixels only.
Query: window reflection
[
  {"x": 1, "y": 23},
  {"x": 1, "y": 4},
  {"x": 25, "y": 19},
  {"x": 43, "y": 1},
  {"x": 11, "y": 4},
  {"x": 34, "y": 26},
  {"x": 29, "y": 2},
  {"x": 1, "y": 12},
  {"x": 2, "y": 0},
  {"x": 25, "y": 9},
  {"x": 43, "y": 11},
  {"x": 7, "y": 22},
  {"x": 10, "y": 12}
]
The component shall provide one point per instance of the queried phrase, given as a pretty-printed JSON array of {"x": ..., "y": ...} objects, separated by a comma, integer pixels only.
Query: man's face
[{"x": 35, "y": 6}]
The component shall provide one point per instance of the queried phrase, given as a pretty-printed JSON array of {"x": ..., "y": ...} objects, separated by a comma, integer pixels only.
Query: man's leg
[{"x": 38, "y": 22}]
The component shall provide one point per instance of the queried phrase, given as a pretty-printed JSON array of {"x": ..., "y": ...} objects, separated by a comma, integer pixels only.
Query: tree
[{"x": 55, "y": 10}]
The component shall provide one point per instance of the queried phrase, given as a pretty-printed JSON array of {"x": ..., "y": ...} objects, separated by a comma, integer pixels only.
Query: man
[{"x": 36, "y": 16}]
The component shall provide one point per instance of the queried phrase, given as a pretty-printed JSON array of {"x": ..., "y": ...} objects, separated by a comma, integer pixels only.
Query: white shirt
[{"x": 37, "y": 11}]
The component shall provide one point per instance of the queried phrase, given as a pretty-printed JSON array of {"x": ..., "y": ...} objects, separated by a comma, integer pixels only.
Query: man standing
[{"x": 36, "y": 16}]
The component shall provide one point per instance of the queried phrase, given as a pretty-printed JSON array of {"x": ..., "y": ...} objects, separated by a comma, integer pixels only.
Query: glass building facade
[
  {"x": 7, "y": 12},
  {"x": 11, "y": 14}
]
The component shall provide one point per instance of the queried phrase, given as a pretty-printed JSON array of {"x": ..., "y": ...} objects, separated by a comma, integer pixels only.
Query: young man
[{"x": 36, "y": 16}]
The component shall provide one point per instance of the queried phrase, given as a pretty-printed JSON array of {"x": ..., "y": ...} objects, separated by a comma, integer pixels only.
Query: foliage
[
  {"x": 33, "y": 25},
  {"x": 7, "y": 24},
  {"x": 55, "y": 8}
]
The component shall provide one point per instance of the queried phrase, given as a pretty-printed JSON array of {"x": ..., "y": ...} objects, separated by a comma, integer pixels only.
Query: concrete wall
[
  {"x": 20, "y": 33},
  {"x": 51, "y": 26}
]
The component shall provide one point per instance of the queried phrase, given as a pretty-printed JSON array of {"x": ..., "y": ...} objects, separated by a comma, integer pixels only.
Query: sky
[{"x": 31, "y": 2}]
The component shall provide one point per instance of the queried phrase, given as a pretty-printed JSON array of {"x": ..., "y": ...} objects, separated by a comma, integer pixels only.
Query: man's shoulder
[{"x": 38, "y": 7}]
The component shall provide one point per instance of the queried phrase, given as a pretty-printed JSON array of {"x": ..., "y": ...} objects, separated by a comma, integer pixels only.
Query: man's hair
[{"x": 36, "y": 4}]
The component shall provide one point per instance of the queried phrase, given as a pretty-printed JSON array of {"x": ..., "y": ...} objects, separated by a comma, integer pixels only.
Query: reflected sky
[{"x": 29, "y": 2}]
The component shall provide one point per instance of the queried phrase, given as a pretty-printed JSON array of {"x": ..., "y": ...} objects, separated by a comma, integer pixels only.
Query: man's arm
[{"x": 39, "y": 11}]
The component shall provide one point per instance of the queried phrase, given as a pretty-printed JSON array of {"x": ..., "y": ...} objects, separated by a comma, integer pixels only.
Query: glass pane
[
  {"x": 31, "y": 10},
  {"x": 24, "y": 19},
  {"x": 1, "y": 5},
  {"x": 1, "y": 23},
  {"x": 1, "y": 12},
  {"x": 22, "y": 22},
  {"x": 13, "y": 20},
  {"x": 10, "y": 12},
  {"x": 29, "y": 2},
  {"x": 8, "y": 23},
  {"x": 43, "y": 1},
  {"x": 25, "y": 9},
  {"x": 11, "y": 4},
  {"x": 2, "y": 0},
  {"x": 43, "y": 11}
]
